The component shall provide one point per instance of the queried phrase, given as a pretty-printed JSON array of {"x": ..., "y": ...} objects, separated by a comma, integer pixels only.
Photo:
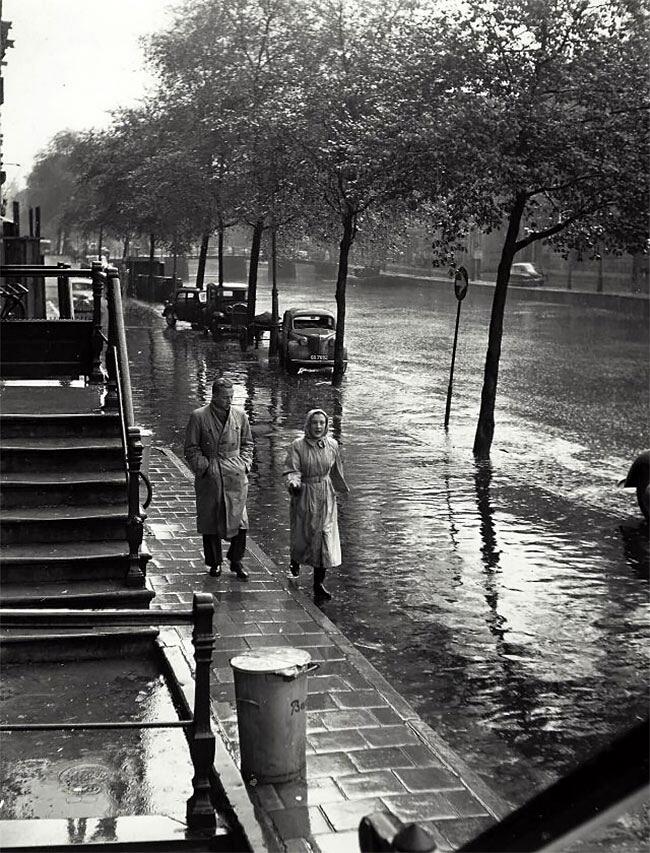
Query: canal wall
[{"x": 633, "y": 303}]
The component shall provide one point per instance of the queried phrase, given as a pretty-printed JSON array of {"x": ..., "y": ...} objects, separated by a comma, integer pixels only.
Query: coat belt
[{"x": 315, "y": 479}]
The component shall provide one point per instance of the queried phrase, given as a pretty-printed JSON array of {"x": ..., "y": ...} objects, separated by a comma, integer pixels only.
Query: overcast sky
[{"x": 72, "y": 62}]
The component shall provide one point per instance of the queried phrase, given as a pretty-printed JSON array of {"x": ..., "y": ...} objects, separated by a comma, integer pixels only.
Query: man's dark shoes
[
  {"x": 239, "y": 570},
  {"x": 294, "y": 568},
  {"x": 215, "y": 571}
]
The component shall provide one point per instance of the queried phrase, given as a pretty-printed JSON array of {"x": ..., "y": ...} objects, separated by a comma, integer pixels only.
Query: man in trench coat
[{"x": 219, "y": 450}]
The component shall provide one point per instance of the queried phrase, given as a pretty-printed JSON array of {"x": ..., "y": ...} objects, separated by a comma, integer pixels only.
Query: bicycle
[{"x": 13, "y": 305}]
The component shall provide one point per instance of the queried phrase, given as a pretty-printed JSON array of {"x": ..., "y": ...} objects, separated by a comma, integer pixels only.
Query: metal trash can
[{"x": 271, "y": 696}]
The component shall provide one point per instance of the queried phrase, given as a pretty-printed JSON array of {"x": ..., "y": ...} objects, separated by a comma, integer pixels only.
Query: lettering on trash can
[{"x": 297, "y": 706}]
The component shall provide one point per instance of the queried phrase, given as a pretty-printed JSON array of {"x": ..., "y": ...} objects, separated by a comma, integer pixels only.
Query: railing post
[
  {"x": 64, "y": 292},
  {"x": 135, "y": 520},
  {"x": 116, "y": 317},
  {"x": 200, "y": 811},
  {"x": 97, "y": 375},
  {"x": 111, "y": 400}
]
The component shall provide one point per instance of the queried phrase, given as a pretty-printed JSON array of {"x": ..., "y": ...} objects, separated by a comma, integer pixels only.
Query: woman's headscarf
[{"x": 310, "y": 415}]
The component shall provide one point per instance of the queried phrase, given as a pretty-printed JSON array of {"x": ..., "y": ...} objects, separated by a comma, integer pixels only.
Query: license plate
[{"x": 318, "y": 357}]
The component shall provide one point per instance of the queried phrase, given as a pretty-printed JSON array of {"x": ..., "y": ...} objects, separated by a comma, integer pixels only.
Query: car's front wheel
[
  {"x": 171, "y": 320},
  {"x": 292, "y": 369}
]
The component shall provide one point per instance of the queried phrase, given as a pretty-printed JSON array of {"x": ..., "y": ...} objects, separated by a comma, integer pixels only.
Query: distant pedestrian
[
  {"x": 219, "y": 450},
  {"x": 313, "y": 474}
]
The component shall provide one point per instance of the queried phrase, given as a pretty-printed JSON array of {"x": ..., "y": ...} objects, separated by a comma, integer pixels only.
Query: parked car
[
  {"x": 226, "y": 309},
  {"x": 525, "y": 274},
  {"x": 188, "y": 304},
  {"x": 307, "y": 339}
]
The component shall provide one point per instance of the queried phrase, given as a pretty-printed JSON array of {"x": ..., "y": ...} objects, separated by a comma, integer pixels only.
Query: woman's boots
[
  {"x": 320, "y": 593},
  {"x": 294, "y": 568}
]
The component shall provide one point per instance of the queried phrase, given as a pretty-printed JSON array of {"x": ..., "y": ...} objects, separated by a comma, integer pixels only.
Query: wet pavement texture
[
  {"x": 89, "y": 774},
  {"x": 508, "y": 603}
]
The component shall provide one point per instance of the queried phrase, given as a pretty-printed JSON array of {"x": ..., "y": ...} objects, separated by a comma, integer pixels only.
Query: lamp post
[{"x": 461, "y": 282}]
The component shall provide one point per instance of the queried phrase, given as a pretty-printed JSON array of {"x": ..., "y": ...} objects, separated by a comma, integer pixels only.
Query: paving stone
[
  {"x": 458, "y": 832},
  {"x": 326, "y": 683},
  {"x": 315, "y": 722},
  {"x": 414, "y": 807},
  {"x": 308, "y": 640},
  {"x": 422, "y": 755},
  {"x": 345, "y": 739},
  {"x": 375, "y": 784},
  {"x": 387, "y": 716},
  {"x": 314, "y": 793},
  {"x": 356, "y": 680},
  {"x": 377, "y": 759},
  {"x": 265, "y": 641},
  {"x": 429, "y": 779},
  {"x": 300, "y": 822},
  {"x": 466, "y": 804},
  {"x": 349, "y": 719},
  {"x": 390, "y": 736},
  {"x": 320, "y": 702},
  {"x": 360, "y": 699},
  {"x": 333, "y": 764},
  {"x": 337, "y": 842},
  {"x": 347, "y": 815}
]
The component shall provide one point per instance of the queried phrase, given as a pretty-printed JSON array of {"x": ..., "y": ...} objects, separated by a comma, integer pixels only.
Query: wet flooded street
[{"x": 508, "y": 602}]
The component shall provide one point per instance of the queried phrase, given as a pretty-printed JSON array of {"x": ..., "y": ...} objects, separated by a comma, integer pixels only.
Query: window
[{"x": 311, "y": 321}]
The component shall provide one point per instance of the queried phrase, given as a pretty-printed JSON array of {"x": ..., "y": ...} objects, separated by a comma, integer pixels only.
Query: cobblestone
[{"x": 367, "y": 750}]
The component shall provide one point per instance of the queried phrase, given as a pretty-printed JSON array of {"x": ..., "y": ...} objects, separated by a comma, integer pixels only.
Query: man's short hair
[{"x": 221, "y": 382}]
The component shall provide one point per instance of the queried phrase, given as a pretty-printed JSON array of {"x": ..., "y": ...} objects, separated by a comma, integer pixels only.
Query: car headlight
[{"x": 301, "y": 340}]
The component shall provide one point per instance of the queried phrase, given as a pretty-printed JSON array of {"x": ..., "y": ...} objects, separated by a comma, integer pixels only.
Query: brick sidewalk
[{"x": 367, "y": 750}]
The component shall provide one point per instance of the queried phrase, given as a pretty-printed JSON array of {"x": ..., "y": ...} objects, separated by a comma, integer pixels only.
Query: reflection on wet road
[{"x": 507, "y": 601}]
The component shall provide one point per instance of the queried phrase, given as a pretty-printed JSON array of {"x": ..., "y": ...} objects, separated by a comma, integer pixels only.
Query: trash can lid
[{"x": 278, "y": 659}]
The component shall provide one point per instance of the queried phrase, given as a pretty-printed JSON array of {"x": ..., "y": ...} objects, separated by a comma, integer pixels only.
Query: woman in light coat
[{"x": 313, "y": 474}]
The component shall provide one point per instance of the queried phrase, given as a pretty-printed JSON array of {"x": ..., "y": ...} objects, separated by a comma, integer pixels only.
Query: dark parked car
[
  {"x": 307, "y": 339},
  {"x": 188, "y": 304},
  {"x": 525, "y": 274},
  {"x": 226, "y": 309}
]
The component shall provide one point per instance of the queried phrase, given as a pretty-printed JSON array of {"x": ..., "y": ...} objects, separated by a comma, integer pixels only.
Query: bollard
[{"x": 271, "y": 698}]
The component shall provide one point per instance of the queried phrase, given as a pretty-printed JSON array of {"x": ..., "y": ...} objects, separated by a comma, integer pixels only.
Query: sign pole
[{"x": 461, "y": 282}]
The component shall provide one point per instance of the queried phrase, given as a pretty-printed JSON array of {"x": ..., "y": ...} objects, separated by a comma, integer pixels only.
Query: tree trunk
[
  {"x": 341, "y": 280},
  {"x": 203, "y": 255},
  {"x": 220, "y": 252},
  {"x": 125, "y": 251},
  {"x": 273, "y": 334},
  {"x": 100, "y": 240},
  {"x": 152, "y": 249},
  {"x": 599, "y": 282},
  {"x": 485, "y": 425},
  {"x": 59, "y": 241},
  {"x": 252, "y": 269}
]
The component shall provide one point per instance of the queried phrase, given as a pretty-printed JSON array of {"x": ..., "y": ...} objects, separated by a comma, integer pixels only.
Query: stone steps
[
  {"x": 64, "y": 501},
  {"x": 32, "y": 489}
]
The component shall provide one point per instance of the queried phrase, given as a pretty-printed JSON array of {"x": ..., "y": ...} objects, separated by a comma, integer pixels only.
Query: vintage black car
[
  {"x": 307, "y": 340},
  {"x": 188, "y": 304},
  {"x": 226, "y": 309}
]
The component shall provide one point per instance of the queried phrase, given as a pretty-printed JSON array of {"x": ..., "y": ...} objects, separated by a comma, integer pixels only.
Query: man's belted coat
[{"x": 220, "y": 457}]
